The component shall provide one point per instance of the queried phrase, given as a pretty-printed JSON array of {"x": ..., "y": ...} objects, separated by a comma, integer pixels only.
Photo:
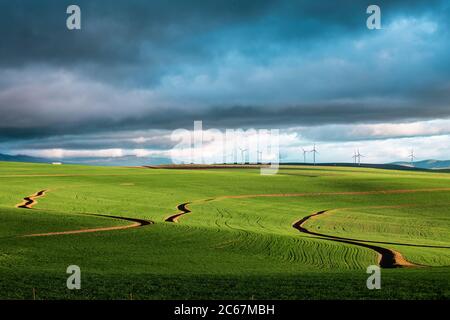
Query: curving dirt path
[
  {"x": 183, "y": 210},
  {"x": 387, "y": 258},
  {"x": 372, "y": 241},
  {"x": 136, "y": 223},
  {"x": 30, "y": 201}
]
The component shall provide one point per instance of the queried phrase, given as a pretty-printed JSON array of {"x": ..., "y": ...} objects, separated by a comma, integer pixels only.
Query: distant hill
[
  {"x": 387, "y": 166},
  {"x": 113, "y": 161},
  {"x": 22, "y": 158},
  {"x": 146, "y": 161},
  {"x": 427, "y": 164}
]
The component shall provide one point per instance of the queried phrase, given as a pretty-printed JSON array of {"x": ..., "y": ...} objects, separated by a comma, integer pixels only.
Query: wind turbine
[
  {"x": 314, "y": 151},
  {"x": 259, "y": 157},
  {"x": 354, "y": 157},
  {"x": 243, "y": 154},
  {"x": 412, "y": 157},
  {"x": 233, "y": 157},
  {"x": 304, "y": 154},
  {"x": 359, "y": 155}
]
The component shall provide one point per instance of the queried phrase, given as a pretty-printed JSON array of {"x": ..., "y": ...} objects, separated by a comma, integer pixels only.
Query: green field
[{"x": 227, "y": 247}]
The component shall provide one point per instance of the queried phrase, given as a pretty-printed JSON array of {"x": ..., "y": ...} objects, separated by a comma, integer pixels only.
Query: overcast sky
[{"x": 137, "y": 70}]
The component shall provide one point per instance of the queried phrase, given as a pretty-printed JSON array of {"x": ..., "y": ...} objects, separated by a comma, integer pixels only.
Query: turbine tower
[
  {"x": 359, "y": 155},
  {"x": 304, "y": 154},
  {"x": 243, "y": 154},
  {"x": 233, "y": 156},
  {"x": 259, "y": 157},
  {"x": 412, "y": 157},
  {"x": 314, "y": 151},
  {"x": 354, "y": 157}
]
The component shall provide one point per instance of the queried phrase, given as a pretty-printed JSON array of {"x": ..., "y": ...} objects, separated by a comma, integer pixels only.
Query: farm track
[
  {"x": 373, "y": 241},
  {"x": 30, "y": 201},
  {"x": 387, "y": 258},
  {"x": 183, "y": 208},
  {"x": 136, "y": 223}
]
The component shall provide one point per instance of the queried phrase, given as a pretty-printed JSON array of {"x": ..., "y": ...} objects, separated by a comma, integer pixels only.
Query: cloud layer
[{"x": 139, "y": 69}]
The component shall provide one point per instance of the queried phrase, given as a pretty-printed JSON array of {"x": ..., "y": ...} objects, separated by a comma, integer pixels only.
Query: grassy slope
[{"x": 233, "y": 248}]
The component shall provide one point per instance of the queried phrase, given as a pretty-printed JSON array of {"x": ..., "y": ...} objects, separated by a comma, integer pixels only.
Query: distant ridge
[
  {"x": 93, "y": 161},
  {"x": 391, "y": 166},
  {"x": 257, "y": 166},
  {"x": 443, "y": 165},
  {"x": 426, "y": 164},
  {"x": 22, "y": 158}
]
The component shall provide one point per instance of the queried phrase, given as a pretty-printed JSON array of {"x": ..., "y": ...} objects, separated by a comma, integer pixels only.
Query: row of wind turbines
[
  {"x": 356, "y": 156},
  {"x": 259, "y": 155},
  {"x": 313, "y": 151}
]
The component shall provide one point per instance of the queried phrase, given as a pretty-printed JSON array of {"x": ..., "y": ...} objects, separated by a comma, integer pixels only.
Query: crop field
[{"x": 305, "y": 233}]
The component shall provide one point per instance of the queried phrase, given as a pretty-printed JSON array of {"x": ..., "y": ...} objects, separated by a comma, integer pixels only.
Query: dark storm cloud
[
  {"x": 139, "y": 65},
  {"x": 135, "y": 32},
  {"x": 119, "y": 32},
  {"x": 220, "y": 117}
]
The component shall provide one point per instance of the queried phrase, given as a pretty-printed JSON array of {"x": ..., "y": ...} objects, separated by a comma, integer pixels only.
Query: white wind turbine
[
  {"x": 259, "y": 157},
  {"x": 359, "y": 155},
  {"x": 243, "y": 154},
  {"x": 304, "y": 154},
  {"x": 355, "y": 156},
  {"x": 412, "y": 157},
  {"x": 314, "y": 151}
]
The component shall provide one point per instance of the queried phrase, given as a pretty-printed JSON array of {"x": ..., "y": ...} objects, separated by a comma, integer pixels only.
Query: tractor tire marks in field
[
  {"x": 373, "y": 241},
  {"x": 342, "y": 193},
  {"x": 183, "y": 208},
  {"x": 30, "y": 201},
  {"x": 387, "y": 258}
]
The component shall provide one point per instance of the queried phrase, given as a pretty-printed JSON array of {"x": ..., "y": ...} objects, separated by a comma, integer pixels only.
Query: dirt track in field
[
  {"x": 373, "y": 241},
  {"x": 183, "y": 210},
  {"x": 136, "y": 223},
  {"x": 387, "y": 258},
  {"x": 30, "y": 201}
]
